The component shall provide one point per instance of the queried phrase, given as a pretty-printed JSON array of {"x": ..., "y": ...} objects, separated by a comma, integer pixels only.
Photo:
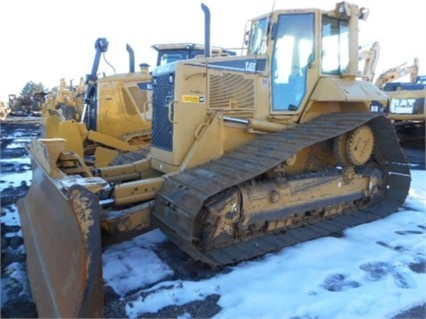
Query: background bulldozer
[
  {"x": 64, "y": 102},
  {"x": 111, "y": 115},
  {"x": 26, "y": 105},
  {"x": 102, "y": 116},
  {"x": 249, "y": 154}
]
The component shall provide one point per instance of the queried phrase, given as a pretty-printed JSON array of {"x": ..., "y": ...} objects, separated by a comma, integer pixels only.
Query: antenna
[
  {"x": 267, "y": 32},
  {"x": 273, "y": 5}
]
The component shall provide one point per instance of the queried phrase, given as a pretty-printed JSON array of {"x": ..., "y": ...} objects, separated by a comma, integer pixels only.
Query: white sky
[{"x": 46, "y": 40}]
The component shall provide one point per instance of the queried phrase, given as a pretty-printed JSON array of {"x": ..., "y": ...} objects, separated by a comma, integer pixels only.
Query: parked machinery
[
  {"x": 26, "y": 105},
  {"x": 18, "y": 106},
  {"x": 400, "y": 71},
  {"x": 407, "y": 108},
  {"x": 4, "y": 110},
  {"x": 111, "y": 115},
  {"x": 64, "y": 102},
  {"x": 102, "y": 116},
  {"x": 249, "y": 154},
  {"x": 369, "y": 55}
]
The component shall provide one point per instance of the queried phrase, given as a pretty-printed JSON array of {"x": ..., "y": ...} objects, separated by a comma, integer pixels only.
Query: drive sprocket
[
  {"x": 360, "y": 145},
  {"x": 354, "y": 148}
]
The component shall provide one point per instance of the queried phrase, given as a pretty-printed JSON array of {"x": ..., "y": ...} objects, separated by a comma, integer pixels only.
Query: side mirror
[{"x": 246, "y": 37}]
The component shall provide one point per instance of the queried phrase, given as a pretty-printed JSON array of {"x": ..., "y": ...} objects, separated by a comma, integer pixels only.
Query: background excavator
[
  {"x": 110, "y": 116},
  {"x": 249, "y": 154},
  {"x": 407, "y": 107},
  {"x": 398, "y": 72},
  {"x": 369, "y": 57}
]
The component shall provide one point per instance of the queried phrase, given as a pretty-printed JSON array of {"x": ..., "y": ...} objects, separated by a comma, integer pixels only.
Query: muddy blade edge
[{"x": 63, "y": 246}]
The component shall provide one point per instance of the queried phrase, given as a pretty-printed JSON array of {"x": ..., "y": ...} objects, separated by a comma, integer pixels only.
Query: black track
[{"x": 182, "y": 196}]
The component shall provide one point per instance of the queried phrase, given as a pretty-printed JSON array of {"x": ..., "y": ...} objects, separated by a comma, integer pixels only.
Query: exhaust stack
[
  {"x": 207, "y": 50},
  {"x": 131, "y": 58}
]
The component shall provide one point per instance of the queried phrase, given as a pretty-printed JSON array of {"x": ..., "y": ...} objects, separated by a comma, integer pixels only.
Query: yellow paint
[{"x": 193, "y": 99}]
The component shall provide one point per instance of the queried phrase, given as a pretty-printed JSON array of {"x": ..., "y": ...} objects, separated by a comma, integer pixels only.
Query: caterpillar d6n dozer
[
  {"x": 249, "y": 154},
  {"x": 109, "y": 119},
  {"x": 102, "y": 116}
]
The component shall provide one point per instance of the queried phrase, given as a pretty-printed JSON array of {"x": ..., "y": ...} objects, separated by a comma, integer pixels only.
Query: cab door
[{"x": 292, "y": 55}]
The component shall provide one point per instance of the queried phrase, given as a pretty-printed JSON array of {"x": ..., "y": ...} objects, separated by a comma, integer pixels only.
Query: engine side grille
[{"x": 231, "y": 90}]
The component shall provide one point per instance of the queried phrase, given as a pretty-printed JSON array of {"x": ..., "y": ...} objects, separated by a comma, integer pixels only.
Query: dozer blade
[{"x": 63, "y": 245}]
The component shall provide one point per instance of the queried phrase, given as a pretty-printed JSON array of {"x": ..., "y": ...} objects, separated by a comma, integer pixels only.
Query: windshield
[
  {"x": 257, "y": 41},
  {"x": 170, "y": 56}
]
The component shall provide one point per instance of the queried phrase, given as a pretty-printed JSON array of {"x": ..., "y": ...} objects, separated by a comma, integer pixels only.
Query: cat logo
[
  {"x": 193, "y": 99},
  {"x": 250, "y": 66},
  {"x": 402, "y": 106}
]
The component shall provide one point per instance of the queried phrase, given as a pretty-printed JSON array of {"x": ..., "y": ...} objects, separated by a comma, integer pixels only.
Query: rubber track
[{"x": 182, "y": 196}]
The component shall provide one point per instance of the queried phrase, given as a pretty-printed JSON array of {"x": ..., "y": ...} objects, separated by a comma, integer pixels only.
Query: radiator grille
[{"x": 162, "y": 129}]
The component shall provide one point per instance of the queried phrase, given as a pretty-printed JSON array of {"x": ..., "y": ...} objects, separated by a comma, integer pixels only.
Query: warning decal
[{"x": 193, "y": 99}]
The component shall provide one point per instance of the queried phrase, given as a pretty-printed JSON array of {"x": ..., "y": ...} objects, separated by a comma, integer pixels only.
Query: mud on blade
[{"x": 63, "y": 247}]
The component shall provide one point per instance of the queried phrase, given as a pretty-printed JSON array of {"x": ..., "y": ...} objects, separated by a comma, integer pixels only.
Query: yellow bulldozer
[
  {"x": 249, "y": 154},
  {"x": 107, "y": 116},
  {"x": 102, "y": 116},
  {"x": 64, "y": 102}
]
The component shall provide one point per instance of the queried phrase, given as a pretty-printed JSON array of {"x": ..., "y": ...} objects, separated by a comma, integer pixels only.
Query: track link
[{"x": 182, "y": 197}]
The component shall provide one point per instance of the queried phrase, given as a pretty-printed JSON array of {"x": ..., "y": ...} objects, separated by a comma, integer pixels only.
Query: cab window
[
  {"x": 335, "y": 46},
  {"x": 293, "y": 52},
  {"x": 257, "y": 44}
]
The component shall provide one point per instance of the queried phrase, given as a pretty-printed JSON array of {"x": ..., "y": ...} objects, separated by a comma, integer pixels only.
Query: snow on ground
[
  {"x": 14, "y": 179},
  {"x": 374, "y": 271},
  {"x": 11, "y": 218}
]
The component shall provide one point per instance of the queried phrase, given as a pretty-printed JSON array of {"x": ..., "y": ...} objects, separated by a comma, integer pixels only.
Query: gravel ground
[{"x": 17, "y": 301}]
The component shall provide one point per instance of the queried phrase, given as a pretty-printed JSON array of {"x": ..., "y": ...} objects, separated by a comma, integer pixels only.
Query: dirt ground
[{"x": 18, "y": 302}]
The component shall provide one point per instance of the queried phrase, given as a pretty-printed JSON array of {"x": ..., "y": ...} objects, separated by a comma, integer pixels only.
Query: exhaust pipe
[
  {"x": 89, "y": 110},
  {"x": 131, "y": 58},
  {"x": 207, "y": 50}
]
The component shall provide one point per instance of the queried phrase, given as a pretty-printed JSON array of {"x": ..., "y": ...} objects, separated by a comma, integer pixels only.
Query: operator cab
[
  {"x": 294, "y": 45},
  {"x": 172, "y": 52}
]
